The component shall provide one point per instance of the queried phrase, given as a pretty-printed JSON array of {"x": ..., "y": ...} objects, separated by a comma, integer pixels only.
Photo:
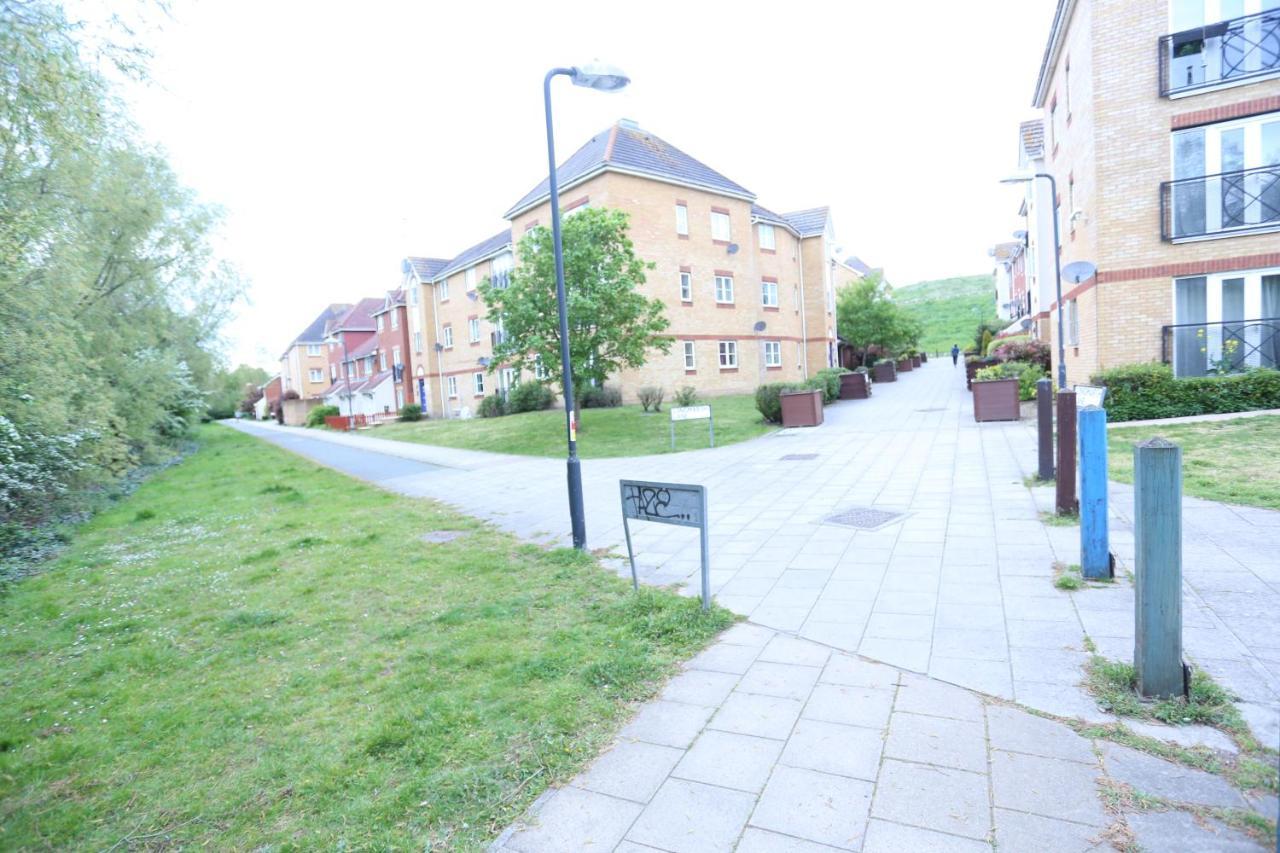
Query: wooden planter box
[
  {"x": 801, "y": 408},
  {"x": 996, "y": 400},
  {"x": 915, "y": 361},
  {"x": 884, "y": 372},
  {"x": 904, "y": 364},
  {"x": 970, "y": 371},
  {"x": 854, "y": 386}
]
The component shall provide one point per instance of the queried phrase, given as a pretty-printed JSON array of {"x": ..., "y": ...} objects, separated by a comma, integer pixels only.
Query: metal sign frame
[
  {"x": 680, "y": 504},
  {"x": 682, "y": 413}
]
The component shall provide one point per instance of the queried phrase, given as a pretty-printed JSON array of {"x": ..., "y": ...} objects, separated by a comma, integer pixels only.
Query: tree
[
  {"x": 612, "y": 325},
  {"x": 866, "y": 317}
]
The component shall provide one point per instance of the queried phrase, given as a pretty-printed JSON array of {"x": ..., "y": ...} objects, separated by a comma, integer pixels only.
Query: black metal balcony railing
[
  {"x": 1232, "y": 202},
  {"x": 1198, "y": 349},
  {"x": 1231, "y": 50}
]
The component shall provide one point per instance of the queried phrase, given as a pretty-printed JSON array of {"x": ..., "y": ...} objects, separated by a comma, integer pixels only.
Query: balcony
[
  {"x": 1200, "y": 349},
  {"x": 1232, "y": 203},
  {"x": 1228, "y": 52}
]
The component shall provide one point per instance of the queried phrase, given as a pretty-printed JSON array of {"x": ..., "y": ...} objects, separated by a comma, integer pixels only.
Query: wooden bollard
[
  {"x": 1065, "y": 490},
  {"x": 1095, "y": 549},
  {"x": 1157, "y": 504},
  {"x": 1044, "y": 427}
]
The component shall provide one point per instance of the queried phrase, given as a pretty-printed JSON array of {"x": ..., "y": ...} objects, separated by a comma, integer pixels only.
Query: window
[
  {"x": 1055, "y": 124},
  {"x": 417, "y": 341},
  {"x": 380, "y": 322},
  {"x": 1071, "y": 203},
  {"x": 447, "y": 332},
  {"x": 1073, "y": 323},
  {"x": 469, "y": 279},
  {"x": 773, "y": 354},
  {"x": 1211, "y": 45},
  {"x": 720, "y": 226},
  {"x": 444, "y": 290},
  {"x": 500, "y": 271},
  {"x": 690, "y": 362},
  {"x": 1066, "y": 88},
  {"x": 1224, "y": 322},
  {"x": 333, "y": 373},
  {"x": 477, "y": 382},
  {"x": 539, "y": 371},
  {"x": 728, "y": 354},
  {"x": 451, "y": 385},
  {"x": 351, "y": 369},
  {"x": 315, "y": 349},
  {"x": 724, "y": 289},
  {"x": 768, "y": 239},
  {"x": 473, "y": 330},
  {"x": 686, "y": 287},
  {"x": 368, "y": 366},
  {"x": 769, "y": 294},
  {"x": 382, "y": 358},
  {"x": 316, "y": 375},
  {"x": 507, "y": 378},
  {"x": 1224, "y": 178},
  {"x": 682, "y": 220},
  {"x": 395, "y": 319},
  {"x": 399, "y": 398},
  {"x": 413, "y": 294},
  {"x": 395, "y": 357}
]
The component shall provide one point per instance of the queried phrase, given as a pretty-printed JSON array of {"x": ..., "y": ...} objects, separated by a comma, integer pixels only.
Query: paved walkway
[{"x": 960, "y": 588}]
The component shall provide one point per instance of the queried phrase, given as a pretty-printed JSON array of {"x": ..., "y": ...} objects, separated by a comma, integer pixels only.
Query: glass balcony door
[
  {"x": 1226, "y": 323},
  {"x": 1217, "y": 41},
  {"x": 1226, "y": 177}
]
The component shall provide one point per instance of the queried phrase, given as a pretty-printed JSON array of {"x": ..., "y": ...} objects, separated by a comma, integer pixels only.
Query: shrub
[
  {"x": 827, "y": 380},
  {"x": 769, "y": 401},
  {"x": 1142, "y": 391},
  {"x": 1034, "y": 352},
  {"x": 529, "y": 397},
  {"x": 1026, "y": 373},
  {"x": 411, "y": 412},
  {"x": 985, "y": 344},
  {"x": 686, "y": 396},
  {"x": 651, "y": 397},
  {"x": 493, "y": 406},
  {"x": 603, "y": 397},
  {"x": 315, "y": 417}
]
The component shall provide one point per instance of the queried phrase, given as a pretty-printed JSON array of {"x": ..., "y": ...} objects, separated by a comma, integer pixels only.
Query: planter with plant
[
  {"x": 801, "y": 407},
  {"x": 904, "y": 363},
  {"x": 995, "y": 398},
  {"x": 855, "y": 385},
  {"x": 884, "y": 370}
]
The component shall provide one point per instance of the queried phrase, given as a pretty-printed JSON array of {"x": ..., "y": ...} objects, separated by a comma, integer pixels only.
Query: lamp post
[
  {"x": 346, "y": 368},
  {"x": 604, "y": 78},
  {"x": 1057, "y": 266}
]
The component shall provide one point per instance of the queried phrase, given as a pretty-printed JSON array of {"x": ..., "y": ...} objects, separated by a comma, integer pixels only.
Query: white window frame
[
  {"x": 721, "y": 226},
  {"x": 773, "y": 353},
  {"x": 728, "y": 352},
  {"x": 686, "y": 286},
  {"x": 724, "y": 288},
  {"x": 469, "y": 279},
  {"x": 413, "y": 294},
  {"x": 682, "y": 220},
  {"x": 690, "y": 355},
  {"x": 399, "y": 398},
  {"x": 315, "y": 374},
  {"x": 447, "y": 333},
  {"x": 451, "y": 386},
  {"x": 395, "y": 319},
  {"x": 382, "y": 360},
  {"x": 1253, "y": 158},
  {"x": 444, "y": 290},
  {"x": 768, "y": 237},
  {"x": 473, "y": 329},
  {"x": 417, "y": 341},
  {"x": 380, "y": 323},
  {"x": 315, "y": 349},
  {"x": 1073, "y": 323},
  {"x": 539, "y": 370},
  {"x": 769, "y": 294},
  {"x": 395, "y": 357},
  {"x": 1213, "y": 305},
  {"x": 477, "y": 383}
]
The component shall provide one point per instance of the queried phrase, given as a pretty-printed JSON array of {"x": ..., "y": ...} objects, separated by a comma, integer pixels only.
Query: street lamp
[
  {"x": 604, "y": 78},
  {"x": 1057, "y": 266},
  {"x": 346, "y": 368}
]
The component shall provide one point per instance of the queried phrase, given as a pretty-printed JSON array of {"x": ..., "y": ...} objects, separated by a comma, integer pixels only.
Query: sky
[{"x": 341, "y": 137}]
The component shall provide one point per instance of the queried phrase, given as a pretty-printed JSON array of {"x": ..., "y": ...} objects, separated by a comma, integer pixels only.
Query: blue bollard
[{"x": 1095, "y": 551}]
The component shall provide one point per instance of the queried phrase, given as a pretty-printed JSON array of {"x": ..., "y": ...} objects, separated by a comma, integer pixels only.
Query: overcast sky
[{"x": 340, "y": 137}]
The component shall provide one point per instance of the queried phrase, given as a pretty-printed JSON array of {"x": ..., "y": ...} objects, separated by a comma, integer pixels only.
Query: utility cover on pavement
[
  {"x": 864, "y": 518},
  {"x": 439, "y": 537},
  {"x": 799, "y": 457}
]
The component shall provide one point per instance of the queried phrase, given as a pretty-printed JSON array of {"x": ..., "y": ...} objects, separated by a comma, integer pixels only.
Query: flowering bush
[{"x": 1034, "y": 352}]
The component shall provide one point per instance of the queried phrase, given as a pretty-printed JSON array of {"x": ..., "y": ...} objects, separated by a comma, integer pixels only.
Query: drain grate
[
  {"x": 938, "y": 409},
  {"x": 864, "y": 518},
  {"x": 799, "y": 457}
]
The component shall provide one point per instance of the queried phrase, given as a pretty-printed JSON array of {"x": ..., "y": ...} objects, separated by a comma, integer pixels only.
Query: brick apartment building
[
  {"x": 304, "y": 365},
  {"x": 1161, "y": 125},
  {"x": 750, "y": 293}
]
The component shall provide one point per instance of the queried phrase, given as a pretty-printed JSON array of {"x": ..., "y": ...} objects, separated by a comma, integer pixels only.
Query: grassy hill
[{"x": 950, "y": 308}]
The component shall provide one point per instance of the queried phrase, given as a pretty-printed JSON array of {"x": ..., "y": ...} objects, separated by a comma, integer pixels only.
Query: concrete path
[{"x": 959, "y": 586}]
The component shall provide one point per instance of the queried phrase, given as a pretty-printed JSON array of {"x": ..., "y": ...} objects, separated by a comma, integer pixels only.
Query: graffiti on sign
[{"x": 662, "y": 502}]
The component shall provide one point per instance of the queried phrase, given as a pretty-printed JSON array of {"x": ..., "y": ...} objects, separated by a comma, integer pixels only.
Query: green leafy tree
[
  {"x": 866, "y": 317},
  {"x": 612, "y": 325}
]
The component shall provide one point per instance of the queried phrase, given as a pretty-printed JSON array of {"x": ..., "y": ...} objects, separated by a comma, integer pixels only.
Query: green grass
[
  {"x": 253, "y": 652},
  {"x": 1227, "y": 461},
  {"x": 621, "y": 431},
  {"x": 949, "y": 308},
  {"x": 1052, "y": 519}
]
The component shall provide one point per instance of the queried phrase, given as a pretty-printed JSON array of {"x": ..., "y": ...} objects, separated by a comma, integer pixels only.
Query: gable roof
[
  {"x": 627, "y": 148},
  {"x": 858, "y": 265},
  {"x": 1031, "y": 136},
  {"x": 359, "y": 318},
  {"x": 764, "y": 214},
  {"x": 314, "y": 333},
  {"x": 1057, "y": 31},
  {"x": 393, "y": 299},
  {"x": 809, "y": 223},
  {"x": 484, "y": 249},
  {"x": 424, "y": 268}
]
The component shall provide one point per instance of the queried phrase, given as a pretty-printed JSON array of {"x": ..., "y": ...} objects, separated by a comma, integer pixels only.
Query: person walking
[{"x": 955, "y": 354}]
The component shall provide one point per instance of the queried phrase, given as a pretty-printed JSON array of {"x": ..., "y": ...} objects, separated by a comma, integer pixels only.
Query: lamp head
[{"x": 599, "y": 76}]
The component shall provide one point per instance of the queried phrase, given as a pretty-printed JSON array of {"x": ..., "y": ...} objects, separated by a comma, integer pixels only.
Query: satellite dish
[
  {"x": 482, "y": 361},
  {"x": 732, "y": 249},
  {"x": 759, "y": 326},
  {"x": 1079, "y": 271},
  {"x": 439, "y": 347},
  {"x": 473, "y": 295}
]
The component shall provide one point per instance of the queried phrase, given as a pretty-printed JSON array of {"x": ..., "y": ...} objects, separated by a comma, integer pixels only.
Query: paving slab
[
  {"x": 833, "y": 748},
  {"x": 937, "y": 798},
  {"x": 630, "y": 770},
  {"x": 1015, "y": 730},
  {"x": 1150, "y": 775},
  {"x": 740, "y": 762},
  {"x": 690, "y": 817},
  {"x": 815, "y": 806},
  {"x": 1049, "y": 787},
  {"x": 937, "y": 740},
  {"x": 758, "y": 715},
  {"x": 667, "y": 723},
  {"x": 571, "y": 819},
  {"x": 886, "y": 837},
  {"x": 1021, "y": 831},
  {"x": 1176, "y": 831}
]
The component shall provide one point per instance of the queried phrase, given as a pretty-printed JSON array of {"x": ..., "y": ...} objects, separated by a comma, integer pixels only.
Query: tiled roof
[
  {"x": 476, "y": 253},
  {"x": 314, "y": 333},
  {"x": 1057, "y": 31},
  {"x": 358, "y": 319},
  {"x": 766, "y": 215},
  {"x": 1032, "y": 135},
  {"x": 367, "y": 348},
  {"x": 393, "y": 299},
  {"x": 1006, "y": 251},
  {"x": 627, "y": 148},
  {"x": 856, "y": 263},
  {"x": 425, "y": 268},
  {"x": 809, "y": 223},
  {"x": 374, "y": 381}
]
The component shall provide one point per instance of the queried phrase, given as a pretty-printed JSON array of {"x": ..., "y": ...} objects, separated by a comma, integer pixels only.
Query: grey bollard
[
  {"x": 1157, "y": 497},
  {"x": 1044, "y": 427}
]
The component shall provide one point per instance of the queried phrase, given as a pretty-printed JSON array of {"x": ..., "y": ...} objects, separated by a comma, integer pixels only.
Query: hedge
[{"x": 1146, "y": 391}]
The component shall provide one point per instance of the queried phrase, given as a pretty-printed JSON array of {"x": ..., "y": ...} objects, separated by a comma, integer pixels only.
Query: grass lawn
[
  {"x": 621, "y": 431},
  {"x": 950, "y": 309},
  {"x": 1231, "y": 461},
  {"x": 253, "y": 652}
]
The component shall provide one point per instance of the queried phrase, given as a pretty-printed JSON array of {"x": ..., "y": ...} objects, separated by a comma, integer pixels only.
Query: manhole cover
[
  {"x": 938, "y": 409},
  {"x": 799, "y": 457},
  {"x": 864, "y": 518},
  {"x": 439, "y": 537}
]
